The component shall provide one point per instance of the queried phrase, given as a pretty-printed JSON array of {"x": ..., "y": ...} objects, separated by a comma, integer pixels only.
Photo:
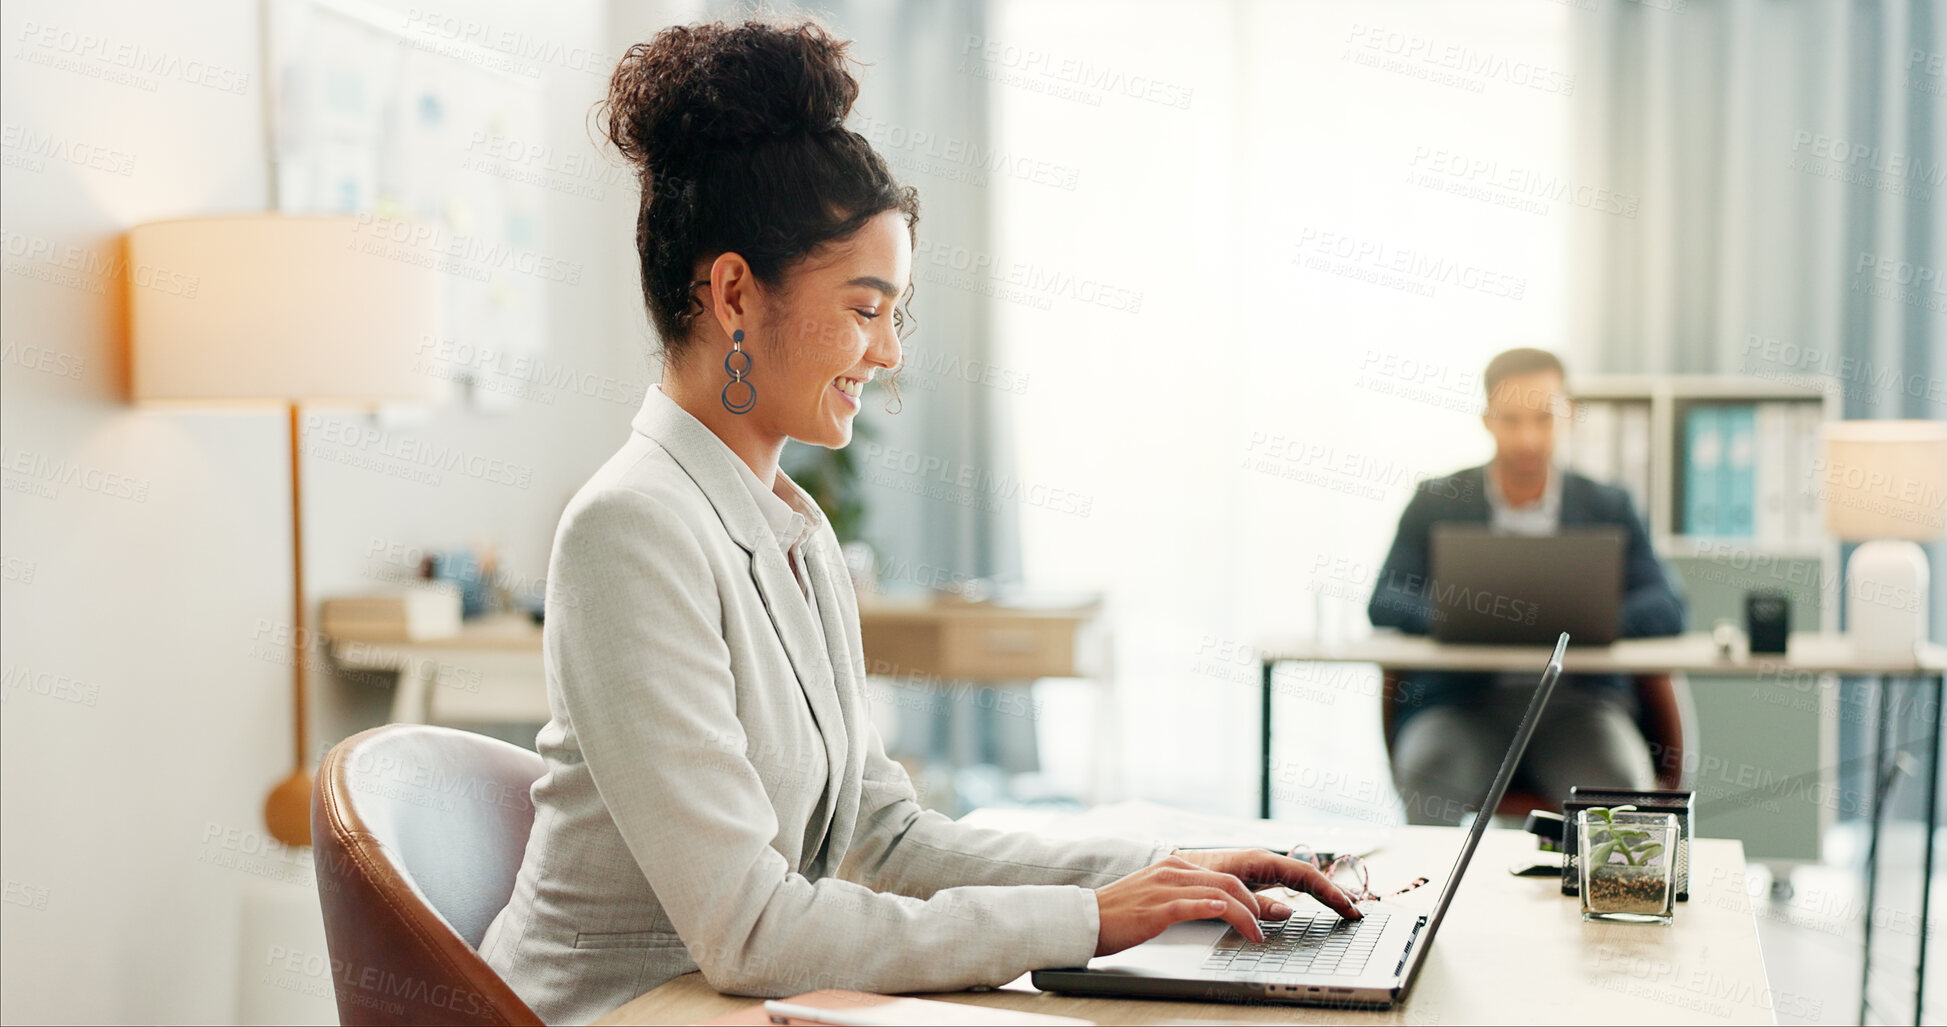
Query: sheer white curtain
[
  {"x": 1792, "y": 227},
  {"x": 1789, "y": 157},
  {"x": 1249, "y": 259}
]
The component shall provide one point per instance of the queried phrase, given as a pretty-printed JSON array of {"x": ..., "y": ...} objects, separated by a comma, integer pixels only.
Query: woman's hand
[
  {"x": 1262, "y": 868},
  {"x": 1202, "y": 885},
  {"x": 1138, "y": 907}
]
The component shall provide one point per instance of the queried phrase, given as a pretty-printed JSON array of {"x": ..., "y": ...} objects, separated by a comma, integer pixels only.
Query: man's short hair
[{"x": 1525, "y": 360}]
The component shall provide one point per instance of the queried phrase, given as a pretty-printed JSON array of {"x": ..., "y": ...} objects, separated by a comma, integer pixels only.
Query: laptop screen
[{"x": 1494, "y": 793}]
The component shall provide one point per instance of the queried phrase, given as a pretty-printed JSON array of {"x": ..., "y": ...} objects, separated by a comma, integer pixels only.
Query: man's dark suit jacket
[{"x": 1649, "y": 605}]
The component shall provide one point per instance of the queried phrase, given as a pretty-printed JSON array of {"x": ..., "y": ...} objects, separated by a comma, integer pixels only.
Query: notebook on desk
[{"x": 1310, "y": 959}]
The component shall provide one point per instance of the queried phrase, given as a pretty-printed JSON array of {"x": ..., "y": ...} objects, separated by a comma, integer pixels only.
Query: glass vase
[{"x": 1626, "y": 863}]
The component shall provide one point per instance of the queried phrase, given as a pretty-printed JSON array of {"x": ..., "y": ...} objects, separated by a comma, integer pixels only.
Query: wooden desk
[
  {"x": 1805, "y": 653},
  {"x": 934, "y": 643},
  {"x": 1511, "y": 950},
  {"x": 976, "y": 641},
  {"x": 488, "y": 673}
]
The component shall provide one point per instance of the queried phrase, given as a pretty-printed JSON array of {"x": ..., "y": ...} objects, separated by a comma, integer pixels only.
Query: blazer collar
[{"x": 707, "y": 460}]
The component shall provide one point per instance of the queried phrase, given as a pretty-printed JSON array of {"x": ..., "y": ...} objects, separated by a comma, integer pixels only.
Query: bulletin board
[{"x": 373, "y": 114}]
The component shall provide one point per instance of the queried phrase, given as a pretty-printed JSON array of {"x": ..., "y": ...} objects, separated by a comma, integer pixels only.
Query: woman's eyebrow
[{"x": 878, "y": 284}]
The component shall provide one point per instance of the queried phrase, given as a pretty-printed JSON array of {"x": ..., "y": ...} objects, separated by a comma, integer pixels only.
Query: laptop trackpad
[{"x": 1177, "y": 952}]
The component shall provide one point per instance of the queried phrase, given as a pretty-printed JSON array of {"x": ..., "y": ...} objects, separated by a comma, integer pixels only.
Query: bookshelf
[
  {"x": 1774, "y": 729},
  {"x": 1613, "y": 410}
]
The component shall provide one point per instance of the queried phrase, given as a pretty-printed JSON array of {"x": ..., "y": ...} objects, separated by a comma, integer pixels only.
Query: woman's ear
[{"x": 731, "y": 288}]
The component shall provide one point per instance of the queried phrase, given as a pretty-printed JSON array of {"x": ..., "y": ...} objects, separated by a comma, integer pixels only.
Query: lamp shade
[
  {"x": 1884, "y": 479},
  {"x": 326, "y": 311}
]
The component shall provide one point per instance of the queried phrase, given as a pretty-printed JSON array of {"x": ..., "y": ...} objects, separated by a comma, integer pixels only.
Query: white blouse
[{"x": 792, "y": 515}]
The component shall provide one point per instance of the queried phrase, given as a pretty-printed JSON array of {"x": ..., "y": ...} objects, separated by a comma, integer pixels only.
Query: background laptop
[
  {"x": 1310, "y": 959},
  {"x": 1525, "y": 589}
]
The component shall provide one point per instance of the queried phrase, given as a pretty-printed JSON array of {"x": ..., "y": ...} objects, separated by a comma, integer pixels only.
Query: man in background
[{"x": 1451, "y": 729}]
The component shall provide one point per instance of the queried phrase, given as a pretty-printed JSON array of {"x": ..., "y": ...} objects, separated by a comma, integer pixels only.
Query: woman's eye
[{"x": 867, "y": 314}]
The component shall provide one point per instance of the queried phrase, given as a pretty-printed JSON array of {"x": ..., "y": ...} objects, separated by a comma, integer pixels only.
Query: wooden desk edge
[{"x": 690, "y": 999}]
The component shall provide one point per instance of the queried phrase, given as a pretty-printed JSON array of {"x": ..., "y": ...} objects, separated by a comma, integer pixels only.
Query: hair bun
[{"x": 694, "y": 89}]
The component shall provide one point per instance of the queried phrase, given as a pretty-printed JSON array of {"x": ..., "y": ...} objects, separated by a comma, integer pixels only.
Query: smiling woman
[
  {"x": 716, "y": 797},
  {"x": 772, "y": 239}
]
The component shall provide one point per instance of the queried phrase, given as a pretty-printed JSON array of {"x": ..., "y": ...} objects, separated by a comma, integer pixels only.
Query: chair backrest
[
  {"x": 418, "y": 834},
  {"x": 1668, "y": 717}
]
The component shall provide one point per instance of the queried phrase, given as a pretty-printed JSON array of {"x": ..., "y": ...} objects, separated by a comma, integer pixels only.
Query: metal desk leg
[
  {"x": 1264, "y": 744},
  {"x": 1872, "y": 843},
  {"x": 1933, "y": 828}
]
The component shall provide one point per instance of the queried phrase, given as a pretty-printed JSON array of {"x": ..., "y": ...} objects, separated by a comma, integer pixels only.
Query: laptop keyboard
[{"x": 1321, "y": 944}]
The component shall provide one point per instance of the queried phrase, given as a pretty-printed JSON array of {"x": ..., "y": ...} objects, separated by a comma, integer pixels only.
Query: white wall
[{"x": 130, "y": 835}]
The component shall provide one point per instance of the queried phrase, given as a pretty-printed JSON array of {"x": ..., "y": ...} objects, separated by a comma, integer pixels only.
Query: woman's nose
[{"x": 885, "y": 349}]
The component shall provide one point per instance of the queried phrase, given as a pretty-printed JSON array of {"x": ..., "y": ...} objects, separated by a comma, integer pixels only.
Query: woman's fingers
[
  {"x": 1199, "y": 877},
  {"x": 1178, "y": 910},
  {"x": 1143, "y": 904},
  {"x": 1259, "y": 868},
  {"x": 1299, "y": 875},
  {"x": 1234, "y": 912},
  {"x": 1270, "y": 907},
  {"x": 1262, "y": 868},
  {"x": 1231, "y": 886},
  {"x": 1267, "y": 868}
]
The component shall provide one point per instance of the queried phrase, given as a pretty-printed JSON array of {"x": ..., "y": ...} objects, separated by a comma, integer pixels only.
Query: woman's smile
[{"x": 848, "y": 388}]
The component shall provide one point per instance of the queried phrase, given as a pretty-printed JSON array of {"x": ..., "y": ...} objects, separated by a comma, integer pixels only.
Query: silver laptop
[
  {"x": 1310, "y": 959},
  {"x": 1504, "y": 589}
]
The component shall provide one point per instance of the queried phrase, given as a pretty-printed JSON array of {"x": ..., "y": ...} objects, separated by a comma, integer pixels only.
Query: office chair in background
[{"x": 1664, "y": 713}]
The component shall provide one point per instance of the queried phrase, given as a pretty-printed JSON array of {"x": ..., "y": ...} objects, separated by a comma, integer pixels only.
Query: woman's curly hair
[{"x": 738, "y": 136}]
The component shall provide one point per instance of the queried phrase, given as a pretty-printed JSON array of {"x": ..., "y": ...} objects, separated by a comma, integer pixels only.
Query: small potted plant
[{"x": 1625, "y": 864}]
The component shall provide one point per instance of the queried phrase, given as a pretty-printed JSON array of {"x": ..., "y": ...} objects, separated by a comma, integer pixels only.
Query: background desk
[
  {"x": 488, "y": 673},
  {"x": 1806, "y": 653},
  {"x": 937, "y": 644},
  {"x": 1512, "y": 950},
  {"x": 491, "y": 670}
]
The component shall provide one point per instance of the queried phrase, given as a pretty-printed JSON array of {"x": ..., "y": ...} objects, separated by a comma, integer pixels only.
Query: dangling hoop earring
[{"x": 737, "y": 376}]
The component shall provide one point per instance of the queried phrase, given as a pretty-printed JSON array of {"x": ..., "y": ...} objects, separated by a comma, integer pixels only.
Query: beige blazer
[{"x": 716, "y": 796}]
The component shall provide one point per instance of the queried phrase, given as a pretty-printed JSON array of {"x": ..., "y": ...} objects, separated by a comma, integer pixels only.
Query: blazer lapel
[
  {"x": 803, "y": 640},
  {"x": 838, "y": 616},
  {"x": 706, "y": 459}
]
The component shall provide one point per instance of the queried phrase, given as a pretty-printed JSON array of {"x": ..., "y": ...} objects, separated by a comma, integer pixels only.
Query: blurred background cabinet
[{"x": 1721, "y": 468}]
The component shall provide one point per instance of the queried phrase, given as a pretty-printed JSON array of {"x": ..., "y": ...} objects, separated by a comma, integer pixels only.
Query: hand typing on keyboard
[
  {"x": 1205, "y": 884},
  {"x": 1262, "y": 868}
]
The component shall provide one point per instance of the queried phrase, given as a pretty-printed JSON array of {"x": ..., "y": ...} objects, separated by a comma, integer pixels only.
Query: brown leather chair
[
  {"x": 418, "y": 833},
  {"x": 1664, "y": 713}
]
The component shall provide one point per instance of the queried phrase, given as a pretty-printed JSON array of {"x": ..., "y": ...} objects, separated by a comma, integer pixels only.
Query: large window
[{"x": 1250, "y": 259}]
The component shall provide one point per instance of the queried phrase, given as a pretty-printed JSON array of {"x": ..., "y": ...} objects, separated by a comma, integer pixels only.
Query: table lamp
[
  {"x": 1885, "y": 486},
  {"x": 240, "y": 312}
]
